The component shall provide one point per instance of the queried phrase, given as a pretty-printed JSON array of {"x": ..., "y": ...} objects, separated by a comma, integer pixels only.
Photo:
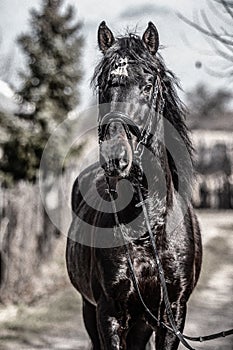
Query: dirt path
[
  {"x": 211, "y": 305},
  {"x": 56, "y": 323}
]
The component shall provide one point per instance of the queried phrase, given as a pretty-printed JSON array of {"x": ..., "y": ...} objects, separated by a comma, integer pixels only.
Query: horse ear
[
  {"x": 105, "y": 37},
  {"x": 151, "y": 38}
]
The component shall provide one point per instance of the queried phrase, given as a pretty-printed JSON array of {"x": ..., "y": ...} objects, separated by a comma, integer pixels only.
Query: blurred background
[{"x": 48, "y": 51}]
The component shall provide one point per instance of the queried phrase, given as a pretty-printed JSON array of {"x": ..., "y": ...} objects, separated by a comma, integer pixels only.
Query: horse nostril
[
  {"x": 123, "y": 160},
  {"x": 123, "y": 164}
]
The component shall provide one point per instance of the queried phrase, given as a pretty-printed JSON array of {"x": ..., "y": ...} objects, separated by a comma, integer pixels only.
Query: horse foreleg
[
  {"x": 166, "y": 339},
  {"x": 138, "y": 336},
  {"x": 89, "y": 316},
  {"x": 109, "y": 326}
]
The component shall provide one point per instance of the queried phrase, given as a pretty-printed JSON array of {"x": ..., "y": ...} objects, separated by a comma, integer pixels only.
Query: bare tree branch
[
  {"x": 227, "y": 8},
  {"x": 219, "y": 38},
  {"x": 207, "y": 23},
  {"x": 204, "y": 31},
  {"x": 212, "y": 30},
  {"x": 225, "y": 32},
  {"x": 219, "y": 74},
  {"x": 228, "y": 3},
  {"x": 220, "y": 52},
  {"x": 217, "y": 12}
]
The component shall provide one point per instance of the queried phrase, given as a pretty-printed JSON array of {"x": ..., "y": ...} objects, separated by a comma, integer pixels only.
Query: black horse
[{"x": 144, "y": 169}]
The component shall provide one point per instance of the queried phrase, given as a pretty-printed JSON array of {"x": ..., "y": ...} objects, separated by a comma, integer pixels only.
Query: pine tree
[{"x": 49, "y": 85}]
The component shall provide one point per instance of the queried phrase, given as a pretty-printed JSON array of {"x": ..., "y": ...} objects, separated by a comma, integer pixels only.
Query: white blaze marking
[{"x": 122, "y": 66}]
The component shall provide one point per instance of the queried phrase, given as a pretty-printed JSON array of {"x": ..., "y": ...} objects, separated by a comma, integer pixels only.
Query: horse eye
[{"x": 147, "y": 89}]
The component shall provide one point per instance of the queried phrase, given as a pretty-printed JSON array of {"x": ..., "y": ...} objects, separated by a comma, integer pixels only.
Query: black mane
[{"x": 174, "y": 110}]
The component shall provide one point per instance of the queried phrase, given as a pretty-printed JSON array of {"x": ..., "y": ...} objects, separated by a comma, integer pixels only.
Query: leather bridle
[{"x": 142, "y": 137}]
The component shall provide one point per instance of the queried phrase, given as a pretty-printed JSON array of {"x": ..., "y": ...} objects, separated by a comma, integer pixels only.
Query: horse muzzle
[
  {"x": 116, "y": 156},
  {"x": 116, "y": 132}
]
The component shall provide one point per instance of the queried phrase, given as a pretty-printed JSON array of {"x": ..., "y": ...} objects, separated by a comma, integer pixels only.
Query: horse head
[{"x": 127, "y": 80}]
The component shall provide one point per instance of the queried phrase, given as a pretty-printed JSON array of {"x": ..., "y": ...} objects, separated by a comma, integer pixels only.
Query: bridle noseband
[{"x": 128, "y": 123}]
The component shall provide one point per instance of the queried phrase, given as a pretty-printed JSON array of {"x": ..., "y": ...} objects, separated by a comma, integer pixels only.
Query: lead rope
[
  {"x": 164, "y": 287},
  {"x": 172, "y": 329},
  {"x": 161, "y": 276},
  {"x": 181, "y": 336},
  {"x": 135, "y": 282},
  {"x": 213, "y": 336}
]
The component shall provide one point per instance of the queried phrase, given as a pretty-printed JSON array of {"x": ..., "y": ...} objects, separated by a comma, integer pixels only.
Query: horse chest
[{"x": 146, "y": 270}]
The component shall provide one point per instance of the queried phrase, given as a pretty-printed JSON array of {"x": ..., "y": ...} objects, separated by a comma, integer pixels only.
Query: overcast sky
[{"x": 183, "y": 46}]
